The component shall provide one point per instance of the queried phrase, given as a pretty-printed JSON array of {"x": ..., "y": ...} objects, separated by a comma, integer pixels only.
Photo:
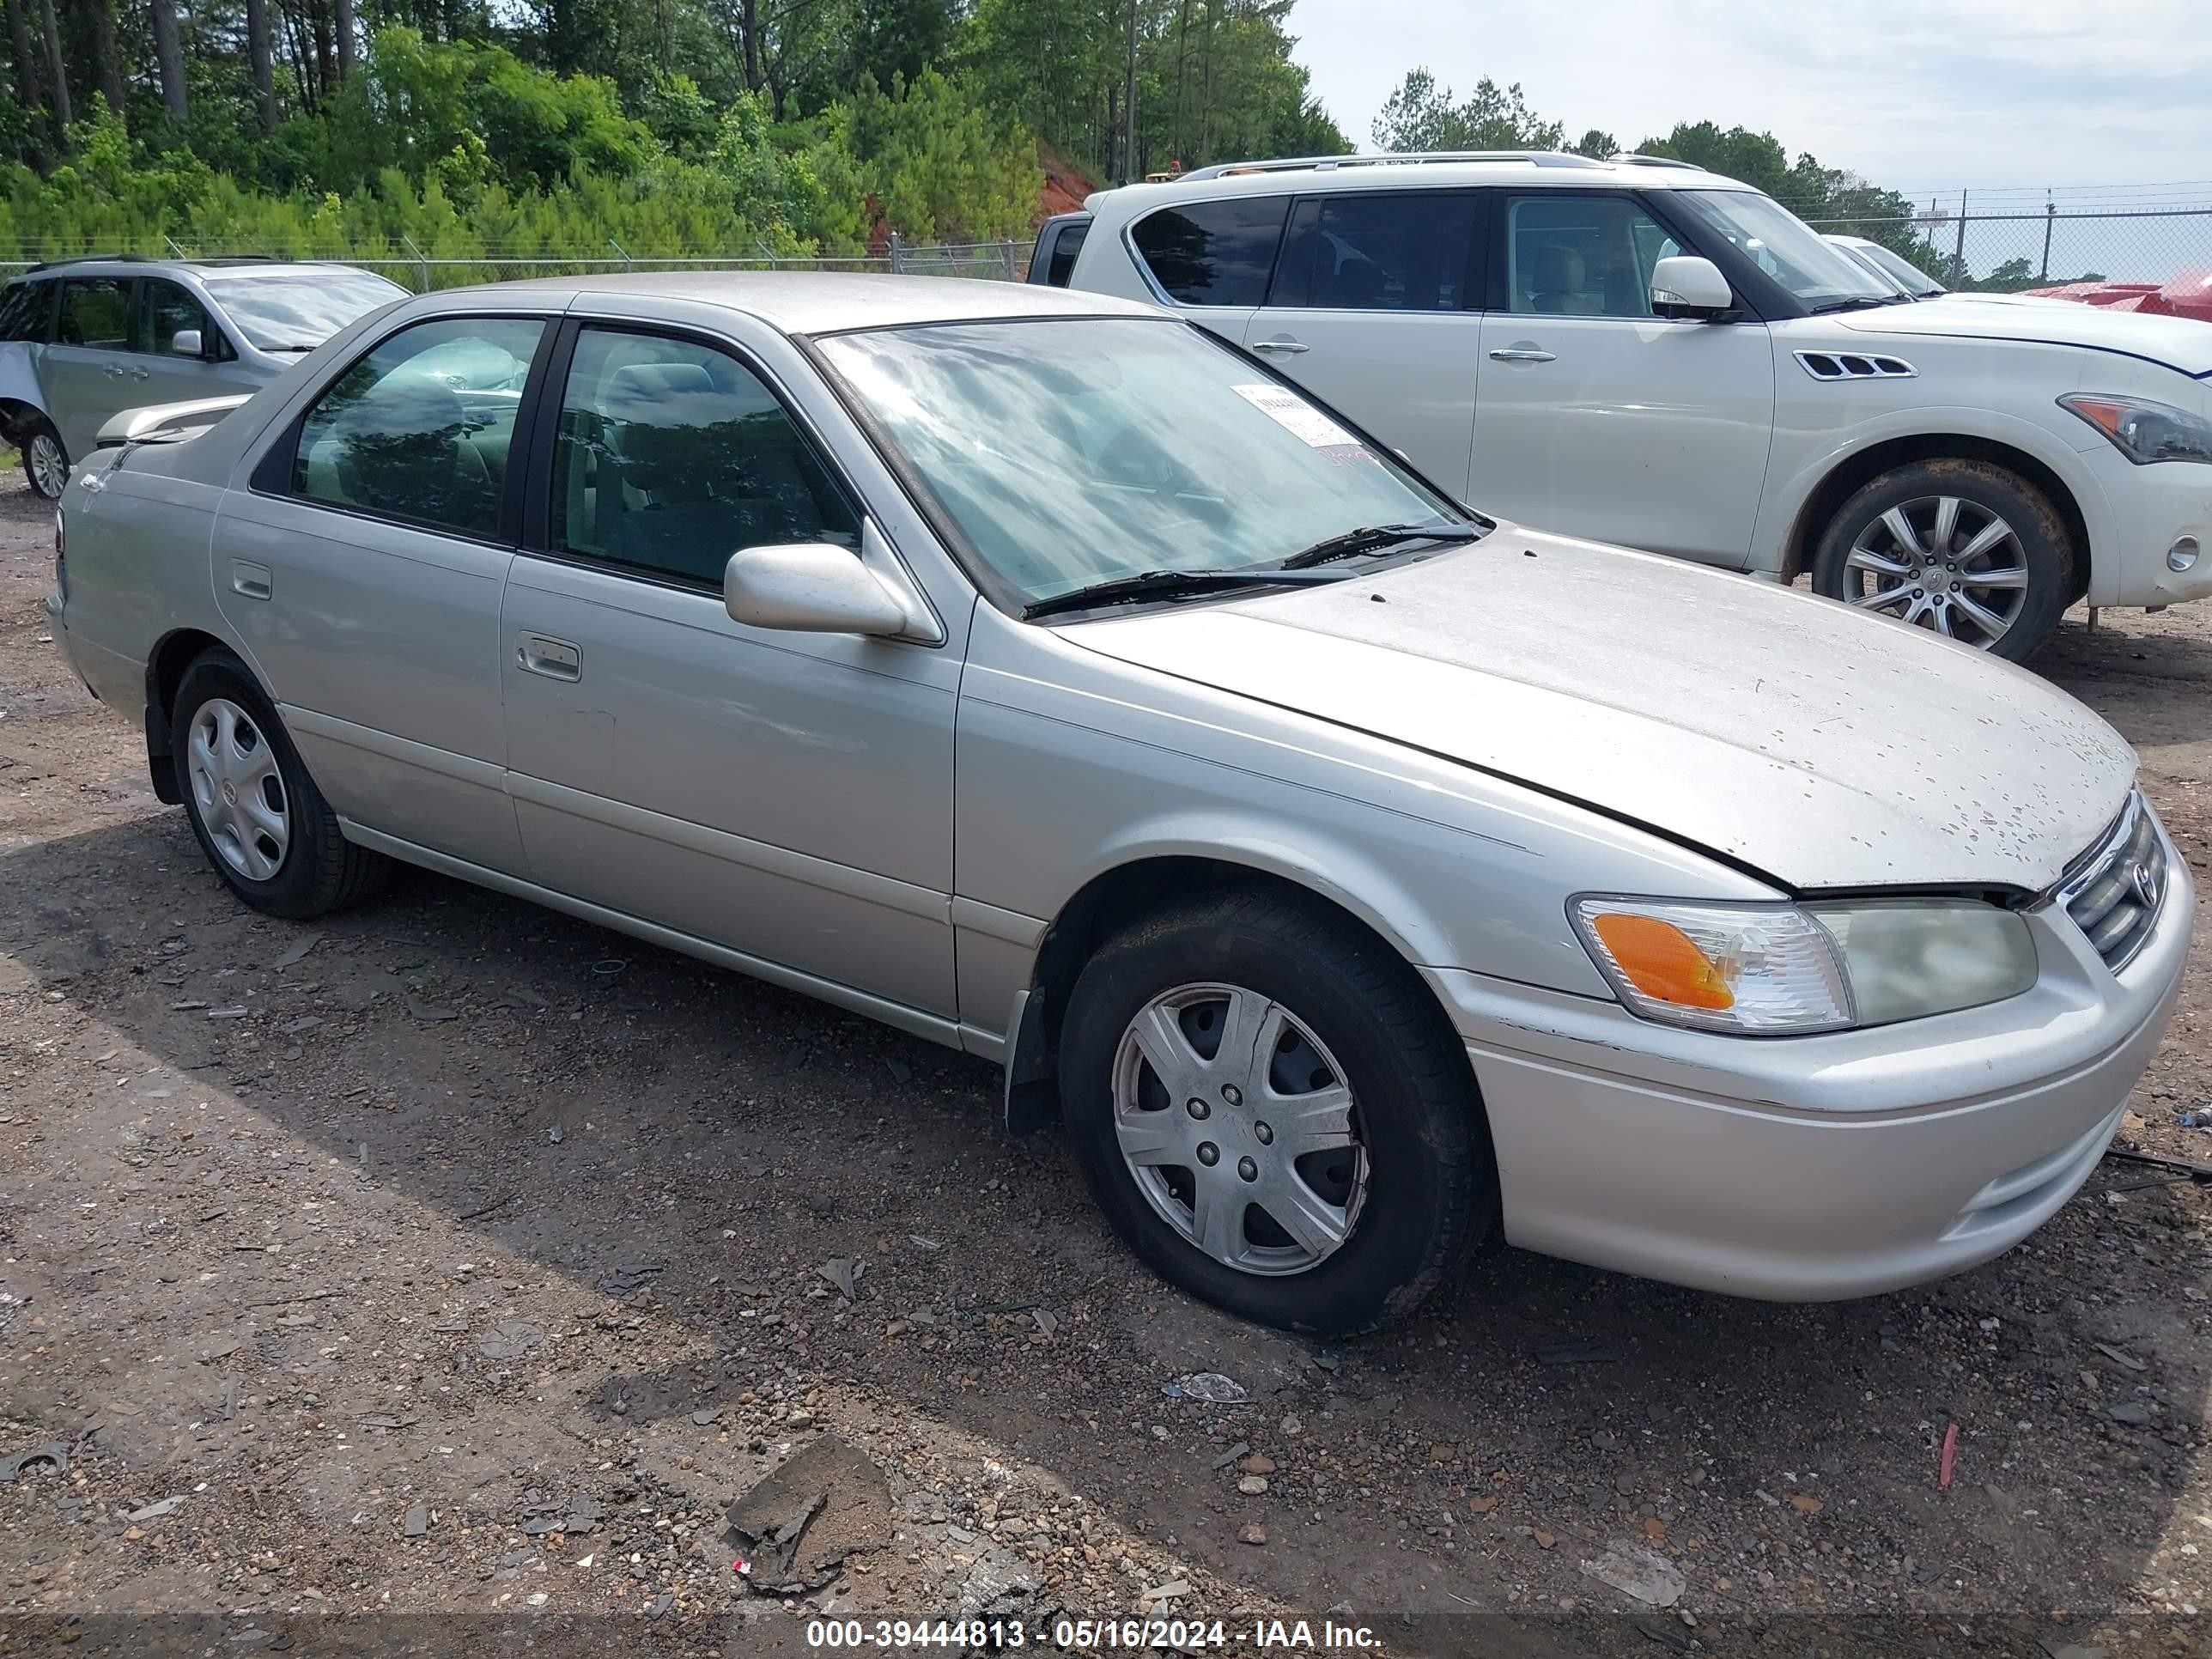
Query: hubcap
[
  {"x": 1941, "y": 563},
  {"x": 49, "y": 472},
  {"x": 1238, "y": 1126},
  {"x": 239, "y": 790}
]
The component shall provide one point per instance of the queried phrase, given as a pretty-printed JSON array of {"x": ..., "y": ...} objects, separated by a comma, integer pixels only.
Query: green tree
[{"x": 1421, "y": 114}]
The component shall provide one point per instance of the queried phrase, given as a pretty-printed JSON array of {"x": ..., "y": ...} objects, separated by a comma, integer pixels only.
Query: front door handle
[
  {"x": 556, "y": 659},
  {"x": 1288, "y": 347},
  {"x": 1523, "y": 355},
  {"x": 116, "y": 371},
  {"x": 251, "y": 580},
  {"x": 137, "y": 373}
]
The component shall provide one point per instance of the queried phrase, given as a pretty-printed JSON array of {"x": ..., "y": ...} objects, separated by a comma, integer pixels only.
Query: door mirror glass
[
  {"x": 186, "y": 342},
  {"x": 808, "y": 587},
  {"x": 1687, "y": 285}
]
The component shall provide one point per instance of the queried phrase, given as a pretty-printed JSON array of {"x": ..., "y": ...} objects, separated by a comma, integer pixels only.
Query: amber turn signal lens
[{"x": 1660, "y": 960}]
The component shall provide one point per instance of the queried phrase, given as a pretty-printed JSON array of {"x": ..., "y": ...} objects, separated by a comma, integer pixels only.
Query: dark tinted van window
[
  {"x": 1066, "y": 241},
  {"x": 23, "y": 311},
  {"x": 1214, "y": 253},
  {"x": 1408, "y": 250}
]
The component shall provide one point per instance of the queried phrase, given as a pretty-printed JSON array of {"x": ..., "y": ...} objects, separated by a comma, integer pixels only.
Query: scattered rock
[
  {"x": 1210, "y": 1386},
  {"x": 1253, "y": 1485},
  {"x": 155, "y": 1511},
  {"x": 1805, "y": 1504},
  {"x": 798, "y": 1526},
  {"x": 1641, "y": 1574},
  {"x": 429, "y": 1013},
  {"x": 2136, "y": 1412},
  {"x": 1258, "y": 1463},
  {"x": 1253, "y": 1534},
  {"x": 416, "y": 1521},
  {"x": 511, "y": 1339},
  {"x": 844, "y": 1274},
  {"x": 1232, "y": 1455}
]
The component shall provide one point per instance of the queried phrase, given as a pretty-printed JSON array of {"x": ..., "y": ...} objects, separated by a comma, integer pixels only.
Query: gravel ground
[{"x": 434, "y": 1277}]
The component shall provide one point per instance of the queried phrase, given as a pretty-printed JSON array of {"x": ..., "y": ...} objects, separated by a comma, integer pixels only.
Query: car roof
[
  {"x": 824, "y": 302},
  {"x": 208, "y": 271},
  {"x": 1520, "y": 169}
]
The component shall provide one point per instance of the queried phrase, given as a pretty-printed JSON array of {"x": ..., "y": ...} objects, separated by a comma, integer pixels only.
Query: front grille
[{"x": 2114, "y": 894}]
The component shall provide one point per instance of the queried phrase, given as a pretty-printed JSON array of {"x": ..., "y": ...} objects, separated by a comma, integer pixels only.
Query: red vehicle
[{"x": 2188, "y": 294}]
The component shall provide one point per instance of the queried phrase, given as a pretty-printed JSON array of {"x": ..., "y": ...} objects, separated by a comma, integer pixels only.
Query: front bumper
[
  {"x": 2150, "y": 507},
  {"x": 1807, "y": 1168}
]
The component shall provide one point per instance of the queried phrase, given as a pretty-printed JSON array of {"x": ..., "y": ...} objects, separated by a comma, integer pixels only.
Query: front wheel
[
  {"x": 1963, "y": 548},
  {"x": 1273, "y": 1111},
  {"x": 45, "y": 463},
  {"x": 257, "y": 814}
]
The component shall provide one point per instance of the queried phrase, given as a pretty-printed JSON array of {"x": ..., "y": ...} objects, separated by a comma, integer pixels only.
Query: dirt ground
[{"x": 431, "y": 1279}]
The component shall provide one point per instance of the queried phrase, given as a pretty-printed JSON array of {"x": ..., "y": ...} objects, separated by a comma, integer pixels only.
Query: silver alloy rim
[
  {"x": 49, "y": 472},
  {"x": 1237, "y": 1125},
  {"x": 240, "y": 790},
  {"x": 1944, "y": 563}
]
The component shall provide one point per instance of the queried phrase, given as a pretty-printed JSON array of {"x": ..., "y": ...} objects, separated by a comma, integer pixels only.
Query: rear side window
[
  {"x": 24, "y": 309},
  {"x": 95, "y": 312},
  {"x": 1214, "y": 253},
  {"x": 1409, "y": 251},
  {"x": 1066, "y": 242},
  {"x": 421, "y": 427}
]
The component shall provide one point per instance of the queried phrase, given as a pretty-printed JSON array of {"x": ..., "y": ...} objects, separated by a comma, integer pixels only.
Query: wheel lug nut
[
  {"x": 1248, "y": 1169},
  {"x": 1232, "y": 1094},
  {"x": 1199, "y": 1108},
  {"x": 1263, "y": 1134},
  {"x": 1208, "y": 1153}
]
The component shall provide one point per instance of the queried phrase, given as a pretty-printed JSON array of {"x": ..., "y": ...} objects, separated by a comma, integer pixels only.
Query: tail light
[{"x": 61, "y": 558}]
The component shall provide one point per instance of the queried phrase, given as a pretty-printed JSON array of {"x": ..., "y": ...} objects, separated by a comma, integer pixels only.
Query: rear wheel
[
  {"x": 1273, "y": 1111},
  {"x": 45, "y": 463},
  {"x": 259, "y": 817},
  {"x": 1965, "y": 549}
]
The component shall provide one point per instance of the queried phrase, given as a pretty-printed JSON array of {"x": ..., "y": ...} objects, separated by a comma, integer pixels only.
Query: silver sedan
[{"x": 1352, "y": 875}]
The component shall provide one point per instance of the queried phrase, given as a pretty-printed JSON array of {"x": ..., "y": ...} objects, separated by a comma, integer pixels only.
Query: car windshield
[
  {"x": 298, "y": 313},
  {"x": 1073, "y": 452},
  {"x": 1784, "y": 246},
  {"x": 1908, "y": 276}
]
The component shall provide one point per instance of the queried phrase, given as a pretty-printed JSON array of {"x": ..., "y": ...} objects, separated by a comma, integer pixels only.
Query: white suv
[{"x": 1643, "y": 352}]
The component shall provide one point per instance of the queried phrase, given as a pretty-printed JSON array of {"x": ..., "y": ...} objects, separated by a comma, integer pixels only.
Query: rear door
[
  {"x": 1213, "y": 259},
  {"x": 1596, "y": 417},
  {"x": 1374, "y": 308},
  {"x": 89, "y": 371}
]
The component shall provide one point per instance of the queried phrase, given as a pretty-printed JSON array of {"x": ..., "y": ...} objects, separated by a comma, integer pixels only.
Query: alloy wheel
[
  {"x": 1944, "y": 562},
  {"x": 49, "y": 467},
  {"x": 238, "y": 789},
  {"x": 1240, "y": 1129}
]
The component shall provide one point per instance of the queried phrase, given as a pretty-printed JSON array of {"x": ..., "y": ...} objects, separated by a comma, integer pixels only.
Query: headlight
[
  {"x": 1783, "y": 968},
  {"x": 2144, "y": 431}
]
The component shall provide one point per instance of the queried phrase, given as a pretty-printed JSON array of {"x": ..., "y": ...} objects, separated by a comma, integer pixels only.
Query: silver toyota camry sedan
[{"x": 1352, "y": 876}]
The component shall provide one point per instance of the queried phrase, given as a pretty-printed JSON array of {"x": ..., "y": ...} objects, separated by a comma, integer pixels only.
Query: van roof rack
[
  {"x": 1626, "y": 159},
  {"x": 89, "y": 259},
  {"x": 1542, "y": 158}
]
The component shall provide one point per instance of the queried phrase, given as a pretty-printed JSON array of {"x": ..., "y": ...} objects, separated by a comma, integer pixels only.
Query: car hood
[
  {"x": 1818, "y": 745},
  {"x": 2176, "y": 342}
]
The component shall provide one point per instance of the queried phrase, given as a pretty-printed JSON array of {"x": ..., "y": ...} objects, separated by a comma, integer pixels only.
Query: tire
[
  {"x": 259, "y": 817},
  {"x": 1409, "y": 1182},
  {"x": 45, "y": 462},
  {"x": 1862, "y": 560}
]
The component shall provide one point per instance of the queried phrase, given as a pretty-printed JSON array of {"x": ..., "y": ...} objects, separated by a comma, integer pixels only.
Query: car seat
[{"x": 1559, "y": 284}]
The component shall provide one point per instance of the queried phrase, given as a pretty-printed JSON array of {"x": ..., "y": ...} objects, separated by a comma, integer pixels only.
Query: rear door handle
[
  {"x": 556, "y": 659},
  {"x": 1523, "y": 355},
  {"x": 252, "y": 580},
  {"x": 1289, "y": 347},
  {"x": 137, "y": 374}
]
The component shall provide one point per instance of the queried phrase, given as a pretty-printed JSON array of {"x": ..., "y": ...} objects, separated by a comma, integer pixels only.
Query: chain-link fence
[
  {"x": 1966, "y": 246},
  {"x": 1000, "y": 261}
]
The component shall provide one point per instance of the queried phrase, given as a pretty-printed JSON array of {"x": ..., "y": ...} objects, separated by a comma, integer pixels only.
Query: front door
[
  {"x": 170, "y": 314},
  {"x": 89, "y": 372},
  {"x": 363, "y": 570},
  {"x": 787, "y": 796},
  {"x": 1372, "y": 310},
  {"x": 1596, "y": 418}
]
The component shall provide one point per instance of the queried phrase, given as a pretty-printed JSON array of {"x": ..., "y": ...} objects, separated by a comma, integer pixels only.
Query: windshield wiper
[
  {"x": 1371, "y": 537},
  {"x": 1172, "y": 584},
  {"x": 1856, "y": 302}
]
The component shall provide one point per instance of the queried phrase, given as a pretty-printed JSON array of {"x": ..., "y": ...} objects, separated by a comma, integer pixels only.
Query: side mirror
[
  {"x": 184, "y": 342},
  {"x": 1686, "y": 286},
  {"x": 808, "y": 587}
]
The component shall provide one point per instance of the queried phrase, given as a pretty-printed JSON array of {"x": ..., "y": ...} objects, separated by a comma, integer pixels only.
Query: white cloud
[{"x": 1916, "y": 95}]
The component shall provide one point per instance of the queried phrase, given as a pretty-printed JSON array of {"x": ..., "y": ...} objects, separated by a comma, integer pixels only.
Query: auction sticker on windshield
[{"x": 1293, "y": 414}]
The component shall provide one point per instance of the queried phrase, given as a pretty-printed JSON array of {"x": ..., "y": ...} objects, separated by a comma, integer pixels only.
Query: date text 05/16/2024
[{"x": 1087, "y": 1635}]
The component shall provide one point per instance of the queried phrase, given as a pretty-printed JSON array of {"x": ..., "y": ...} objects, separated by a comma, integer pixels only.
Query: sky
[{"x": 1919, "y": 95}]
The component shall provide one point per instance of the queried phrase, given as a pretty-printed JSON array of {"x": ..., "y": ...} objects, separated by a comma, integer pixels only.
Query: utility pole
[
  {"x": 1129, "y": 174},
  {"x": 2050, "y": 219},
  {"x": 1958, "y": 257}
]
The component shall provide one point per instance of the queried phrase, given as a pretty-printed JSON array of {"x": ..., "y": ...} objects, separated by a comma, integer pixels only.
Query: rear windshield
[{"x": 296, "y": 311}]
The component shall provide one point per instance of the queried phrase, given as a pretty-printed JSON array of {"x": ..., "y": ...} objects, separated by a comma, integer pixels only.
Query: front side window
[
  {"x": 1072, "y": 450},
  {"x": 1582, "y": 256},
  {"x": 1405, "y": 251},
  {"x": 1784, "y": 246},
  {"x": 170, "y": 311},
  {"x": 24, "y": 309},
  {"x": 671, "y": 456},
  {"x": 298, "y": 313},
  {"x": 95, "y": 312},
  {"x": 1214, "y": 253},
  {"x": 420, "y": 429}
]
